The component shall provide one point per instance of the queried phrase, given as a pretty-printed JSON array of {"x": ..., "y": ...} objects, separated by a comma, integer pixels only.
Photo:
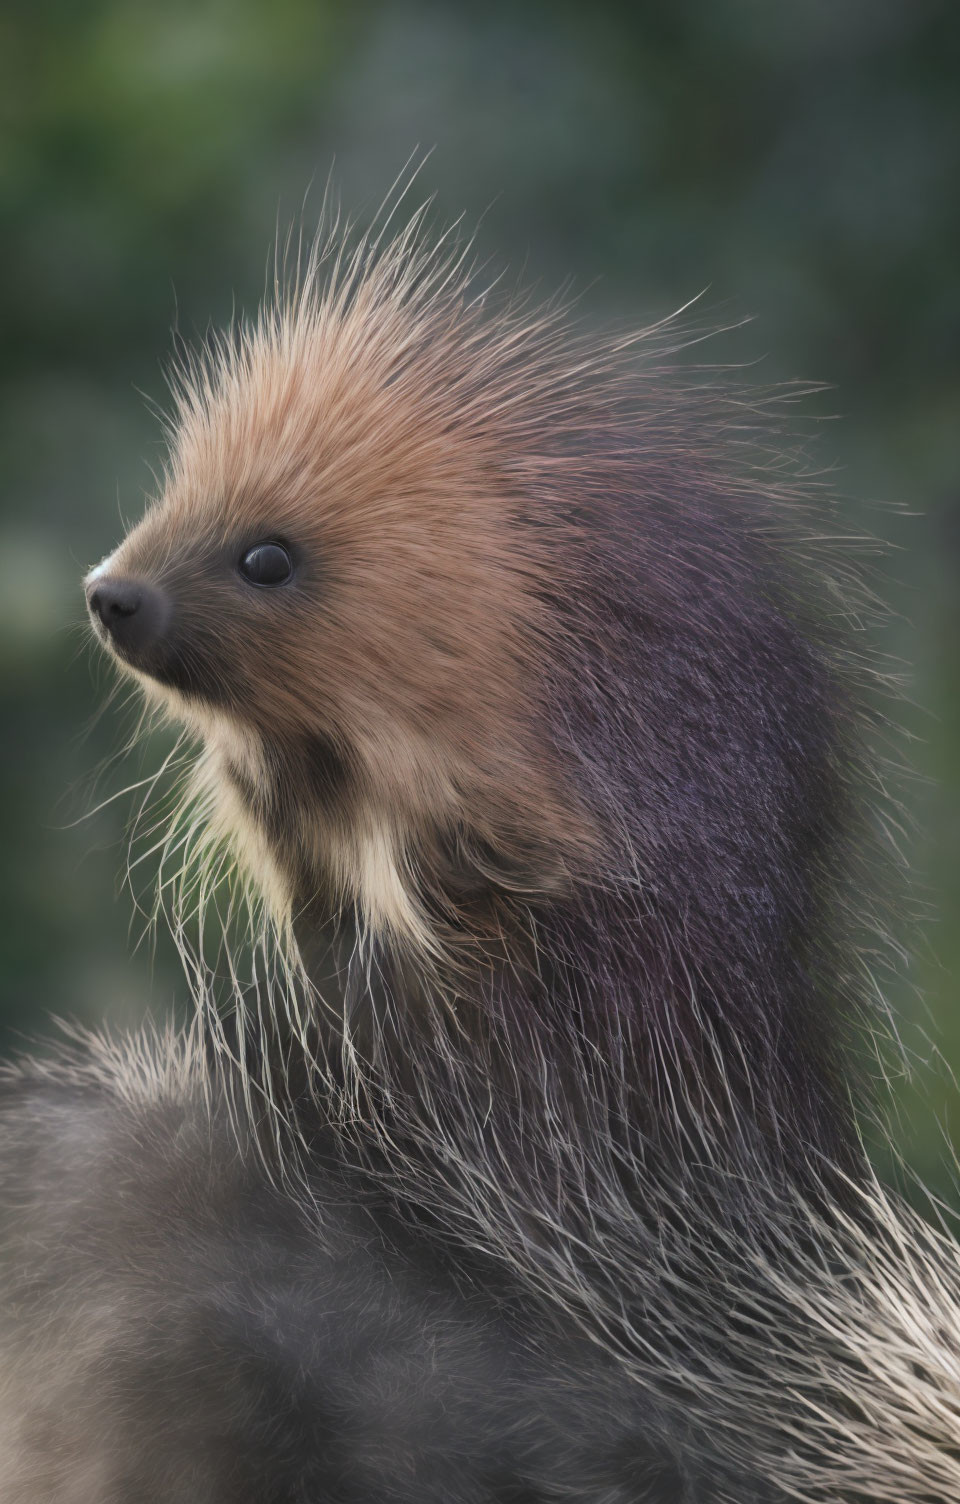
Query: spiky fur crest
[{"x": 576, "y": 1001}]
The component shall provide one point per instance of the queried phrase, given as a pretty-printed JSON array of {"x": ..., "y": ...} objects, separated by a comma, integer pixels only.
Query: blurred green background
[{"x": 800, "y": 160}]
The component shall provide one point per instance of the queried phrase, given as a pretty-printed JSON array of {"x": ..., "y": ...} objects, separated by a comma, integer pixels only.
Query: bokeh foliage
[{"x": 799, "y": 161}]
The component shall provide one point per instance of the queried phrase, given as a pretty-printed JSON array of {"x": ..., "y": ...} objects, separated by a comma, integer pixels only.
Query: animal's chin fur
[{"x": 355, "y": 864}]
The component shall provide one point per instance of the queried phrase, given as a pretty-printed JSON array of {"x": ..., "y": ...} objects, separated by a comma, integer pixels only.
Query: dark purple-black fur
[{"x": 710, "y": 729}]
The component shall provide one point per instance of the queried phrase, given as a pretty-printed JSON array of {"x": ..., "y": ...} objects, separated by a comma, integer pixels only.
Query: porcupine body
[{"x": 529, "y": 734}]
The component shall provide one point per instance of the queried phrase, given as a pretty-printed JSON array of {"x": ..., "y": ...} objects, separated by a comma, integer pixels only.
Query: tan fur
[{"x": 355, "y": 416}]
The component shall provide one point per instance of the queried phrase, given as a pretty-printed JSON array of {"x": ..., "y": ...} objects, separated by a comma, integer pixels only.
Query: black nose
[{"x": 134, "y": 614}]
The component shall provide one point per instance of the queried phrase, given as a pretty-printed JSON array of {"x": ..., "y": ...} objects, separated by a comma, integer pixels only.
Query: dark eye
[{"x": 266, "y": 564}]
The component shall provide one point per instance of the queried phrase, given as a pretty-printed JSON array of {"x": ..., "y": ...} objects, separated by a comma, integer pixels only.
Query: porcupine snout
[{"x": 133, "y": 614}]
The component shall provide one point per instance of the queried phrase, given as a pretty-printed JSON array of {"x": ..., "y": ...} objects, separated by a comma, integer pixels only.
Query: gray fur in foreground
[{"x": 176, "y": 1328}]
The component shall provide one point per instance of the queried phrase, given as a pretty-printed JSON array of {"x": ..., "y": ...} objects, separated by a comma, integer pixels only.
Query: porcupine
[{"x": 524, "y": 725}]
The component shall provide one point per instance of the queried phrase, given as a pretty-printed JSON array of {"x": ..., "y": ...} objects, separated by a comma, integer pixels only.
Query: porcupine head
[{"x": 488, "y": 660}]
